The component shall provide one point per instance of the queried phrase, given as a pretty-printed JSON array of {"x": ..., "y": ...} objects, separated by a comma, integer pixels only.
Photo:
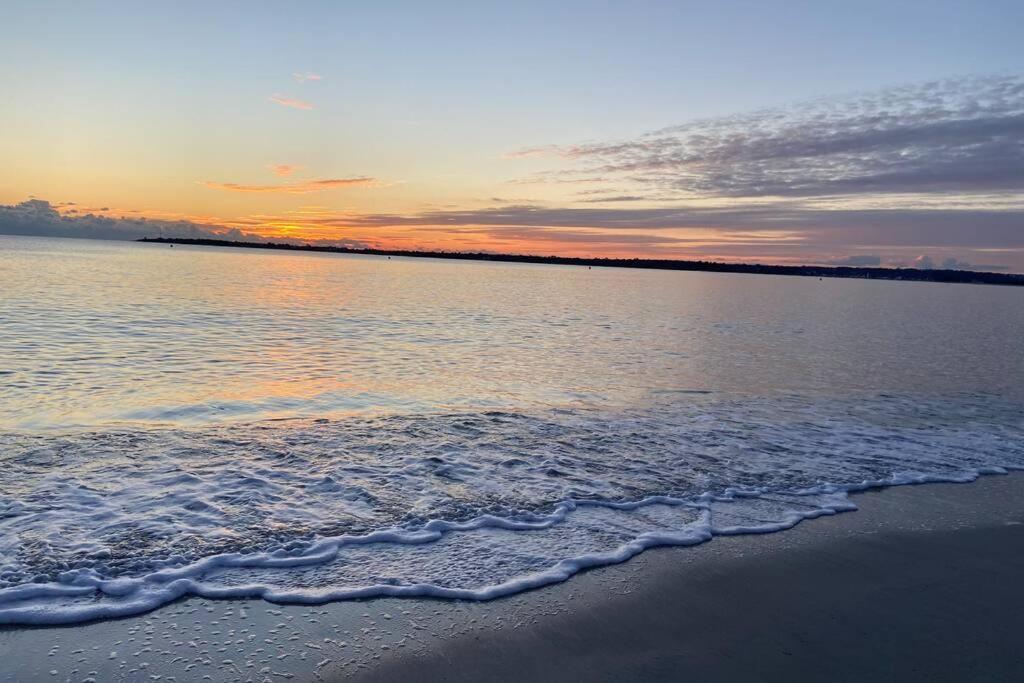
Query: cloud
[
  {"x": 540, "y": 234},
  {"x": 926, "y": 262},
  {"x": 529, "y": 152},
  {"x": 302, "y": 77},
  {"x": 283, "y": 170},
  {"x": 782, "y": 231},
  {"x": 857, "y": 261},
  {"x": 290, "y": 102},
  {"x": 959, "y": 135},
  {"x": 952, "y": 263},
  {"x": 39, "y": 218},
  {"x": 300, "y": 187},
  {"x": 744, "y": 235},
  {"x": 904, "y": 227},
  {"x": 556, "y": 178},
  {"x": 616, "y": 198}
]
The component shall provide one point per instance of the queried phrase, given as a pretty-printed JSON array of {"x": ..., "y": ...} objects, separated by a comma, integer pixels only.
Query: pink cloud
[
  {"x": 283, "y": 170},
  {"x": 289, "y": 102},
  {"x": 307, "y": 76}
]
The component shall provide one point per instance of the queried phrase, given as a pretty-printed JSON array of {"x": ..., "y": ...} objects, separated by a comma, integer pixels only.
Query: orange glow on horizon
[{"x": 318, "y": 225}]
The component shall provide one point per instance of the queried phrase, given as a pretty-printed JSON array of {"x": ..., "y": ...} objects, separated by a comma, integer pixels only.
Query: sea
[{"x": 303, "y": 427}]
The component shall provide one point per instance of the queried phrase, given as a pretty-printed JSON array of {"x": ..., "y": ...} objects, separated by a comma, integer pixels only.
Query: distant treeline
[{"x": 920, "y": 275}]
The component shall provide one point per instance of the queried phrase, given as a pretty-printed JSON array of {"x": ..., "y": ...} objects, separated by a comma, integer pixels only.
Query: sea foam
[{"x": 467, "y": 506}]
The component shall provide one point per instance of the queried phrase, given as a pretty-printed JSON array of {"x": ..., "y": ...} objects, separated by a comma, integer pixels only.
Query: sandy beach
[{"x": 922, "y": 583}]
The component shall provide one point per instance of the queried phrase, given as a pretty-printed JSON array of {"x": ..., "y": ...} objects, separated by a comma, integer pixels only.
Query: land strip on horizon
[{"x": 855, "y": 272}]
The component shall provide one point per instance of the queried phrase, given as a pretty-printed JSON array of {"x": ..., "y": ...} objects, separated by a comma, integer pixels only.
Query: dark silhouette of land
[{"x": 915, "y": 274}]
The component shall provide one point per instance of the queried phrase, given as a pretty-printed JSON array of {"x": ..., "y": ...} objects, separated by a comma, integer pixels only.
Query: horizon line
[{"x": 951, "y": 276}]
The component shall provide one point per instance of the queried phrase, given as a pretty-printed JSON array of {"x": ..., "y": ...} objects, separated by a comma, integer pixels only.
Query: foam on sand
[{"x": 468, "y": 506}]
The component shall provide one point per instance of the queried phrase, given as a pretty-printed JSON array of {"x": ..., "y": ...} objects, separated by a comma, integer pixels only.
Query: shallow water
[{"x": 308, "y": 427}]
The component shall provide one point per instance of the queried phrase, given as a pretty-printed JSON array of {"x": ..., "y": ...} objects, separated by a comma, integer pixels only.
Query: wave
[{"x": 468, "y": 506}]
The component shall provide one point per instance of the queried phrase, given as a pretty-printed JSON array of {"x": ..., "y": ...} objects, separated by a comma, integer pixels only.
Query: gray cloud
[
  {"x": 37, "y": 217},
  {"x": 955, "y": 264},
  {"x": 964, "y": 227},
  {"x": 960, "y": 135},
  {"x": 862, "y": 261},
  {"x": 924, "y": 261},
  {"x": 616, "y": 199}
]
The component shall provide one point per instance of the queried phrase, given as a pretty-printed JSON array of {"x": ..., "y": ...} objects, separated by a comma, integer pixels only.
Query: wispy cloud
[
  {"x": 954, "y": 136},
  {"x": 302, "y": 77},
  {"x": 299, "y": 187},
  {"x": 561, "y": 178},
  {"x": 290, "y": 102},
  {"x": 564, "y": 236},
  {"x": 530, "y": 152},
  {"x": 608, "y": 199},
  {"x": 283, "y": 170}
]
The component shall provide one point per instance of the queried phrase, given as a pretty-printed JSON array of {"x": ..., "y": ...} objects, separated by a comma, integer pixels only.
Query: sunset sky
[{"x": 873, "y": 133}]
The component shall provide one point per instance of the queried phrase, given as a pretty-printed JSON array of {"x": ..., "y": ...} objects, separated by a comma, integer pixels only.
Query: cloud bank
[
  {"x": 39, "y": 218},
  {"x": 893, "y": 227},
  {"x": 765, "y": 234}
]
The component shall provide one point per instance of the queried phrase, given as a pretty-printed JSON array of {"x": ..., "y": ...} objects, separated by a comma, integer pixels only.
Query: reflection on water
[{"x": 101, "y": 332}]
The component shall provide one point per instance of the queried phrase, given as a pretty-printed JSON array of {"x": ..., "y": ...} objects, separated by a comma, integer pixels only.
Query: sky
[{"x": 869, "y": 133}]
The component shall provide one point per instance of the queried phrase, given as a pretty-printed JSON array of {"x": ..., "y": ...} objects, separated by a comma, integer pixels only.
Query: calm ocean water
[{"x": 309, "y": 427}]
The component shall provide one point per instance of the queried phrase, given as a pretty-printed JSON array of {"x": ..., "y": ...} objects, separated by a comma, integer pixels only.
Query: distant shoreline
[{"x": 863, "y": 273}]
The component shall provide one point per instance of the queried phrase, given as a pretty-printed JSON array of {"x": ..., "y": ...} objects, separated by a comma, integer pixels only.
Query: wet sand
[{"x": 924, "y": 582}]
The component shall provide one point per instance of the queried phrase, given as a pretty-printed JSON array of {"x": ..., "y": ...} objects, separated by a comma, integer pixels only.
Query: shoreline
[
  {"x": 862, "y": 594},
  {"x": 770, "y": 606},
  {"x": 971, "y": 277},
  {"x": 922, "y": 582}
]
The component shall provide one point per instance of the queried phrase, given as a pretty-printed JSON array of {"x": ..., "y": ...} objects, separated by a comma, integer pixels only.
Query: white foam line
[{"x": 163, "y": 586}]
